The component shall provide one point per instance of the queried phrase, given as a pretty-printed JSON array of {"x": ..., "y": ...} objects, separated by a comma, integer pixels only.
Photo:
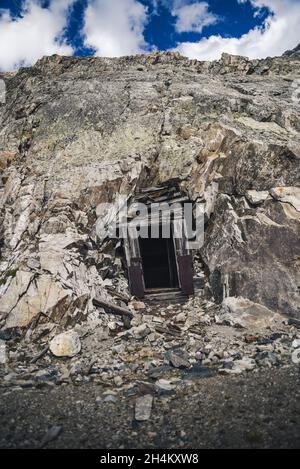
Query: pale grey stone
[
  {"x": 66, "y": 344},
  {"x": 143, "y": 408}
]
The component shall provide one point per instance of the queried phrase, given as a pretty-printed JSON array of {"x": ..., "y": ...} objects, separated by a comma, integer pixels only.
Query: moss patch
[{"x": 8, "y": 274}]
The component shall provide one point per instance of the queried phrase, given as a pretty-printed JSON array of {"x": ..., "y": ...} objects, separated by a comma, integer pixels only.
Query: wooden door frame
[{"x": 184, "y": 263}]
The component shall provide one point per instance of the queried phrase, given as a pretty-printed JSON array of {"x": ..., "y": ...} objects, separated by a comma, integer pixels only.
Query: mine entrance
[
  {"x": 159, "y": 263},
  {"x": 156, "y": 247}
]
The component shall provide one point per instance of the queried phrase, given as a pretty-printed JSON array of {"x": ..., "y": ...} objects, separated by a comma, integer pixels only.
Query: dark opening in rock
[
  {"x": 158, "y": 254},
  {"x": 159, "y": 263}
]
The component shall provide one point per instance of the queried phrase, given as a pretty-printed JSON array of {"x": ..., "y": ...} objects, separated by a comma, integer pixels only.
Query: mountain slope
[{"x": 76, "y": 133}]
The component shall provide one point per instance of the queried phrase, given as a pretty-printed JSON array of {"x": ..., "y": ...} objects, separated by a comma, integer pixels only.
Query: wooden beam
[
  {"x": 40, "y": 355},
  {"x": 98, "y": 302}
]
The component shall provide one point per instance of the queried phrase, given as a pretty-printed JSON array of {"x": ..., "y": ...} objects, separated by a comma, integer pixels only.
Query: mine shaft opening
[{"x": 159, "y": 263}]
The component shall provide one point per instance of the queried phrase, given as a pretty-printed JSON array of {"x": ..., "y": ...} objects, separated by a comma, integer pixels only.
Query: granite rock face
[{"x": 76, "y": 133}]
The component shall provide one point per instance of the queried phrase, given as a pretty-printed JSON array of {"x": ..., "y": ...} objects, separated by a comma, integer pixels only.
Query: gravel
[{"x": 258, "y": 409}]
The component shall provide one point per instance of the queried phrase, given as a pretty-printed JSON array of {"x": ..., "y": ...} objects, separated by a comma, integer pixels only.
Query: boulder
[
  {"x": 66, "y": 344},
  {"x": 243, "y": 313}
]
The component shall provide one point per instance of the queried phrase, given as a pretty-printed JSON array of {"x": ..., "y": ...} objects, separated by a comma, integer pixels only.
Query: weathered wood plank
[{"x": 98, "y": 302}]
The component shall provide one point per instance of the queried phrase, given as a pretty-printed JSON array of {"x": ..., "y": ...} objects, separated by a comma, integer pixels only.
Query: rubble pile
[{"x": 166, "y": 348}]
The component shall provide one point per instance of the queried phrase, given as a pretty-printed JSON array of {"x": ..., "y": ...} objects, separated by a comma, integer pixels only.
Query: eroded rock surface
[{"x": 76, "y": 133}]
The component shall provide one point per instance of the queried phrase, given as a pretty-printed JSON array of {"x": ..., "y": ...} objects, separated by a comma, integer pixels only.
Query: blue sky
[
  {"x": 234, "y": 20},
  {"x": 198, "y": 29}
]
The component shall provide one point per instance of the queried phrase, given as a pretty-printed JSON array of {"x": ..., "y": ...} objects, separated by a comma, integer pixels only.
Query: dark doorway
[{"x": 159, "y": 263}]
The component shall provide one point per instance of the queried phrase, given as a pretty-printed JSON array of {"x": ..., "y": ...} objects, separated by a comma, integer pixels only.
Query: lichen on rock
[{"x": 79, "y": 132}]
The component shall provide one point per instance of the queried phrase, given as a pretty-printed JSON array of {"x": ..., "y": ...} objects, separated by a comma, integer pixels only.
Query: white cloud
[
  {"x": 115, "y": 28},
  {"x": 37, "y": 32},
  {"x": 193, "y": 17},
  {"x": 279, "y": 33}
]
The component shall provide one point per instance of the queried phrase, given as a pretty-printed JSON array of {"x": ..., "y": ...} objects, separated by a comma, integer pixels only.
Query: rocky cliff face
[
  {"x": 294, "y": 53},
  {"x": 78, "y": 132}
]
